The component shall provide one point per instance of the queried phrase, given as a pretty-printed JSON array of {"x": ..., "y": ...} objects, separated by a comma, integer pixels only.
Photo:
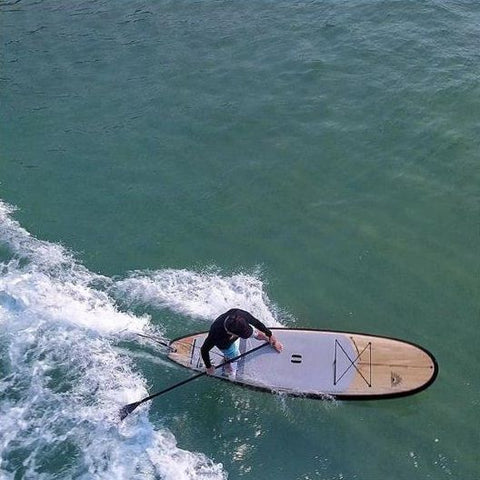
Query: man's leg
[{"x": 233, "y": 351}]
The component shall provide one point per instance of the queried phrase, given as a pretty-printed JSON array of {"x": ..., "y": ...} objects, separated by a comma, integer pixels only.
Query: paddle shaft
[
  {"x": 127, "y": 409},
  {"x": 165, "y": 344}
]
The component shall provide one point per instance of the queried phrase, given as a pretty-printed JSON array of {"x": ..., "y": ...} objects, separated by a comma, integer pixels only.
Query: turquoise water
[{"x": 316, "y": 163}]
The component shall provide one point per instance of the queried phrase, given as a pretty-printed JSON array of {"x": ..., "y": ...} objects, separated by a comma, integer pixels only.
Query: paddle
[{"x": 127, "y": 409}]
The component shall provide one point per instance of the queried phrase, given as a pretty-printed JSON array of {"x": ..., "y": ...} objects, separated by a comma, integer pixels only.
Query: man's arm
[
  {"x": 270, "y": 339},
  {"x": 263, "y": 333},
  {"x": 208, "y": 344},
  {"x": 256, "y": 323}
]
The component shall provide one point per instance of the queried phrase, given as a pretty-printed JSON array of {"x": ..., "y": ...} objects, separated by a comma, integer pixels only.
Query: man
[{"x": 225, "y": 331}]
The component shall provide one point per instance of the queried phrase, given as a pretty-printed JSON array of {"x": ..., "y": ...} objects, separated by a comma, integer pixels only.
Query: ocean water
[{"x": 316, "y": 163}]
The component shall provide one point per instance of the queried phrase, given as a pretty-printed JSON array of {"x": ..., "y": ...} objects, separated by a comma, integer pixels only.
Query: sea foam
[
  {"x": 200, "y": 295},
  {"x": 64, "y": 379}
]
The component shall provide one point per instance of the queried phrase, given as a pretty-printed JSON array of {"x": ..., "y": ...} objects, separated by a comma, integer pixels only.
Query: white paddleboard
[{"x": 321, "y": 364}]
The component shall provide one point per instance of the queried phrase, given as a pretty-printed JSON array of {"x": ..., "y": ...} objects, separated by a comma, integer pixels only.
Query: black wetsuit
[{"x": 220, "y": 338}]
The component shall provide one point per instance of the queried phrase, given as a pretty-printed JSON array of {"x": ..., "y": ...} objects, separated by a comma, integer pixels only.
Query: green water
[{"x": 329, "y": 149}]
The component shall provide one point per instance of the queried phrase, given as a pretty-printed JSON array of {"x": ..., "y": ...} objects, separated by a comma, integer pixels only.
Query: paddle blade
[{"x": 127, "y": 409}]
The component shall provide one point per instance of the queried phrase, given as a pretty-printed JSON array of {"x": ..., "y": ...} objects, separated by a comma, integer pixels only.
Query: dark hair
[{"x": 237, "y": 325}]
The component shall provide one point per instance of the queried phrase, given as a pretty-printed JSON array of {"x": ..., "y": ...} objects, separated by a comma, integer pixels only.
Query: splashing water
[
  {"x": 63, "y": 377},
  {"x": 63, "y": 380},
  {"x": 200, "y": 295}
]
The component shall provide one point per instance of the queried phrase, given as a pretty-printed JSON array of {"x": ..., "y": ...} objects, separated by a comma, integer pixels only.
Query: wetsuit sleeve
[
  {"x": 257, "y": 324},
  {"x": 208, "y": 344}
]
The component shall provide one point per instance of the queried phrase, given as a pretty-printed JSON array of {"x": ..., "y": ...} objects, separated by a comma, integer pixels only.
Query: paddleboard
[{"x": 321, "y": 364}]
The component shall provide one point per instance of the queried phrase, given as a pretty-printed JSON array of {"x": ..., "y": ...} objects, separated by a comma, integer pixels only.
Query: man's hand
[
  {"x": 271, "y": 340},
  {"x": 210, "y": 370},
  {"x": 275, "y": 344}
]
